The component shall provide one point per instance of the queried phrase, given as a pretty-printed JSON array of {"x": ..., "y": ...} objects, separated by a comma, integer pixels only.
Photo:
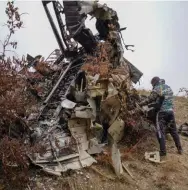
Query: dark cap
[{"x": 155, "y": 80}]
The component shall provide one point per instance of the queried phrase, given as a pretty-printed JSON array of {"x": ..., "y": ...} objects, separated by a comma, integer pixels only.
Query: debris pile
[
  {"x": 98, "y": 94},
  {"x": 85, "y": 92}
]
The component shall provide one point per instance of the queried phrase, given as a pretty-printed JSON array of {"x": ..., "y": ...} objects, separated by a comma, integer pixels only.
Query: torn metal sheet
[
  {"x": 63, "y": 152},
  {"x": 58, "y": 146},
  {"x": 32, "y": 116},
  {"x": 94, "y": 146},
  {"x": 112, "y": 91},
  {"x": 93, "y": 106},
  {"x": 85, "y": 159},
  {"x": 78, "y": 122},
  {"x": 111, "y": 107},
  {"x": 116, "y": 160},
  {"x": 183, "y": 129},
  {"x": 153, "y": 156},
  {"x": 135, "y": 73},
  {"x": 56, "y": 168},
  {"x": 78, "y": 128},
  {"x": 79, "y": 133},
  {"x": 83, "y": 112},
  {"x": 97, "y": 90},
  {"x": 67, "y": 104},
  {"x": 93, "y": 80},
  {"x": 116, "y": 130}
]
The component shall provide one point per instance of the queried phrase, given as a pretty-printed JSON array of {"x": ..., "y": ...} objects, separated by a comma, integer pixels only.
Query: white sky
[{"x": 157, "y": 29}]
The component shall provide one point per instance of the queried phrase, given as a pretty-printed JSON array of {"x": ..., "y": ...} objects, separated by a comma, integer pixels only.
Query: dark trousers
[{"x": 165, "y": 121}]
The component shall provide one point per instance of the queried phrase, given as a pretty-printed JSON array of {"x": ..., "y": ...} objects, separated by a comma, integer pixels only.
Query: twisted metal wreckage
[{"x": 91, "y": 88}]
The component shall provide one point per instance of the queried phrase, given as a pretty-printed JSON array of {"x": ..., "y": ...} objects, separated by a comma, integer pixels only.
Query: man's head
[
  {"x": 162, "y": 81},
  {"x": 155, "y": 81}
]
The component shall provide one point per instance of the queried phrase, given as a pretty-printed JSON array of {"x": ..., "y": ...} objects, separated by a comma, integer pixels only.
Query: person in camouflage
[{"x": 162, "y": 96}]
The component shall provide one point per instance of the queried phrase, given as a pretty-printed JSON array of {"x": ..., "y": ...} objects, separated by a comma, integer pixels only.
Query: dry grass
[
  {"x": 181, "y": 109},
  {"x": 144, "y": 92}
]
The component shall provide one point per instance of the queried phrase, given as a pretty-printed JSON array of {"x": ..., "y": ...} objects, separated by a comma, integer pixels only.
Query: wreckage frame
[{"x": 92, "y": 87}]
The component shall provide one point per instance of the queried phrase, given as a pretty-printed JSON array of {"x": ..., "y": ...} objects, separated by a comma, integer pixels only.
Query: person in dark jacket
[{"x": 162, "y": 95}]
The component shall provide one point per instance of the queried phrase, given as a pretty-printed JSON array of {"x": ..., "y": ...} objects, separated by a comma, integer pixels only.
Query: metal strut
[
  {"x": 58, "y": 11},
  {"x": 56, "y": 33},
  {"x": 63, "y": 39}
]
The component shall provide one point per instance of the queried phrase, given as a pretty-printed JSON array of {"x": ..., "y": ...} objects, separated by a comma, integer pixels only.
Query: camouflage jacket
[{"x": 164, "y": 92}]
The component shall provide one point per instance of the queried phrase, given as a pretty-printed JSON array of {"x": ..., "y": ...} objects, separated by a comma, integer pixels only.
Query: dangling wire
[{"x": 126, "y": 46}]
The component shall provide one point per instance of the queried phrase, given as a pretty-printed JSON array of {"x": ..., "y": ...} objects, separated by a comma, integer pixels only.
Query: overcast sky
[{"x": 157, "y": 29}]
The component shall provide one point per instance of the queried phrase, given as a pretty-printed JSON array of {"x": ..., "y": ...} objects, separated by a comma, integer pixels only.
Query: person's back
[
  {"x": 162, "y": 96},
  {"x": 165, "y": 92}
]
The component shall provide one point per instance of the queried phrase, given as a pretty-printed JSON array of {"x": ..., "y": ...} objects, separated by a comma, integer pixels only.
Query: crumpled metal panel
[
  {"x": 98, "y": 89},
  {"x": 116, "y": 130},
  {"x": 68, "y": 104},
  {"x": 83, "y": 112},
  {"x": 136, "y": 74},
  {"x": 112, "y": 91},
  {"x": 78, "y": 128},
  {"x": 116, "y": 160},
  {"x": 94, "y": 146},
  {"x": 111, "y": 108},
  {"x": 57, "y": 146},
  {"x": 56, "y": 168},
  {"x": 64, "y": 152}
]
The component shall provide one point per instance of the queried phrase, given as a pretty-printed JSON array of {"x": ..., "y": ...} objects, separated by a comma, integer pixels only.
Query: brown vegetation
[{"x": 15, "y": 101}]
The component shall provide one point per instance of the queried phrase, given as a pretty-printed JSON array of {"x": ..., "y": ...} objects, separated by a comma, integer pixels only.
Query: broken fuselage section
[{"x": 92, "y": 87}]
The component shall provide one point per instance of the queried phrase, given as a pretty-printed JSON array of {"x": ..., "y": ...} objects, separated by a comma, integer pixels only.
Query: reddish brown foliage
[
  {"x": 15, "y": 101},
  {"x": 14, "y": 97},
  {"x": 14, "y": 162}
]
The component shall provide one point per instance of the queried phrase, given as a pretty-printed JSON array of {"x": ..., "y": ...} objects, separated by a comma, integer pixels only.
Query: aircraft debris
[
  {"x": 153, "y": 156},
  {"x": 83, "y": 85},
  {"x": 183, "y": 129}
]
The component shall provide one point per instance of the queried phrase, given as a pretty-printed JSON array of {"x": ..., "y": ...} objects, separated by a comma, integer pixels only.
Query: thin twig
[
  {"x": 12, "y": 51},
  {"x": 24, "y": 14}
]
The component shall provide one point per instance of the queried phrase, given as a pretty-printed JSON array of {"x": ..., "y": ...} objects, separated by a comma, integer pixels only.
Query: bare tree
[
  {"x": 184, "y": 90},
  {"x": 13, "y": 24}
]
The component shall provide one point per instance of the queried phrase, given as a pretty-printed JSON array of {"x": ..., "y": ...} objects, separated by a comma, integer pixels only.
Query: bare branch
[
  {"x": 5, "y": 25},
  {"x": 1, "y": 42},
  {"x": 12, "y": 51},
  {"x": 13, "y": 23},
  {"x": 24, "y": 14}
]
